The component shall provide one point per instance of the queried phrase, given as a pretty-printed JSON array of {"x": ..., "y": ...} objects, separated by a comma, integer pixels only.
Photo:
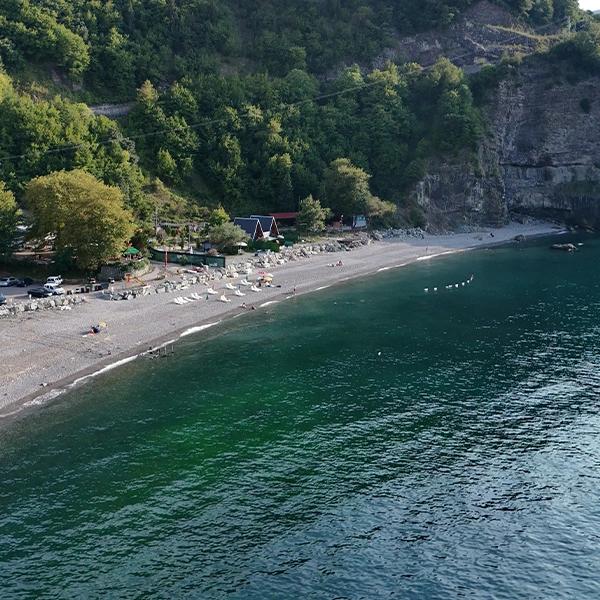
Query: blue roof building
[
  {"x": 251, "y": 226},
  {"x": 268, "y": 224}
]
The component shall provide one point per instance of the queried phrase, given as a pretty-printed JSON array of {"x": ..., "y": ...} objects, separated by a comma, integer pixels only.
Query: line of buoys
[{"x": 452, "y": 286}]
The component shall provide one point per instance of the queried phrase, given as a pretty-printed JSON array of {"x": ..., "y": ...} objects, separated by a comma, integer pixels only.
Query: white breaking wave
[
  {"x": 197, "y": 329},
  {"x": 118, "y": 363}
]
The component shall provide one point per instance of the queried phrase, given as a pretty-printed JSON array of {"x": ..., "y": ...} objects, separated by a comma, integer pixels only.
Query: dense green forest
[
  {"x": 114, "y": 46},
  {"x": 243, "y": 103}
]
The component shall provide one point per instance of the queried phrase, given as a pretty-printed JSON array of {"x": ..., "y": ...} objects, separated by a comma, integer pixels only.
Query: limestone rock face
[{"x": 540, "y": 157}]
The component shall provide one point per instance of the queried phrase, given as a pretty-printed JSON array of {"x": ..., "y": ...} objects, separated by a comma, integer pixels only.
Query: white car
[
  {"x": 8, "y": 281},
  {"x": 54, "y": 280},
  {"x": 55, "y": 289}
]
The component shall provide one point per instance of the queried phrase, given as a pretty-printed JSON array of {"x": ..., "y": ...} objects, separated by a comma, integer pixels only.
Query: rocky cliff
[
  {"x": 540, "y": 156},
  {"x": 482, "y": 35}
]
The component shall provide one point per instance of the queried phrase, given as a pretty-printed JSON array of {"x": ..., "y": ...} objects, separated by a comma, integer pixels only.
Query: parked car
[
  {"x": 56, "y": 290},
  {"x": 54, "y": 280},
  {"x": 39, "y": 292},
  {"x": 2, "y": 299},
  {"x": 25, "y": 282},
  {"x": 8, "y": 281}
]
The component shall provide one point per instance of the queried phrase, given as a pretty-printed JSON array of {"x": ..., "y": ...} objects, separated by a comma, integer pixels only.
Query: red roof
[{"x": 284, "y": 215}]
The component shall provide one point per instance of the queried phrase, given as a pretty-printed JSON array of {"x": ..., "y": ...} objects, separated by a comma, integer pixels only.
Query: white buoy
[
  {"x": 463, "y": 284},
  {"x": 379, "y": 354},
  {"x": 435, "y": 289},
  {"x": 426, "y": 290},
  {"x": 456, "y": 285}
]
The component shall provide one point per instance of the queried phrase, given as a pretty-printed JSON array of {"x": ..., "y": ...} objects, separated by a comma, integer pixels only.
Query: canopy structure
[{"x": 131, "y": 251}]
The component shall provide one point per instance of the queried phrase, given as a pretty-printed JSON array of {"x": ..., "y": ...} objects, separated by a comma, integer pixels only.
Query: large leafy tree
[
  {"x": 346, "y": 188},
  {"x": 9, "y": 217},
  {"x": 87, "y": 217},
  {"x": 226, "y": 235},
  {"x": 311, "y": 215}
]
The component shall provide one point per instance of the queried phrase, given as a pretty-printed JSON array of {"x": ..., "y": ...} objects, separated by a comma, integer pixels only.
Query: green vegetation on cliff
[{"x": 247, "y": 104}]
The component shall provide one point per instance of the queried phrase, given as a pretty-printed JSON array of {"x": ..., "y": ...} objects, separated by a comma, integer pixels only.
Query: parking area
[{"x": 18, "y": 293}]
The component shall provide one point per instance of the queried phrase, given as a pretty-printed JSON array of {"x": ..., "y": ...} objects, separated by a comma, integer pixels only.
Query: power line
[{"x": 284, "y": 106}]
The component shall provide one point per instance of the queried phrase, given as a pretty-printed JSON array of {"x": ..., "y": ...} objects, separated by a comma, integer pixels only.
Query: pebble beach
[{"x": 45, "y": 353}]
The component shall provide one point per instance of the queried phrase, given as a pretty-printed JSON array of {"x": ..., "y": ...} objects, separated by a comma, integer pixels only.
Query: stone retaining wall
[{"x": 52, "y": 303}]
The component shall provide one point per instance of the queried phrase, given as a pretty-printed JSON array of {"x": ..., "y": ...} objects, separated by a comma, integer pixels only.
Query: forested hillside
[
  {"x": 243, "y": 103},
  {"x": 114, "y": 46}
]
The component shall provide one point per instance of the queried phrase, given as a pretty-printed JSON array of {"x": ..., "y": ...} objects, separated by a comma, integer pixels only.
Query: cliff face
[
  {"x": 482, "y": 35},
  {"x": 541, "y": 156}
]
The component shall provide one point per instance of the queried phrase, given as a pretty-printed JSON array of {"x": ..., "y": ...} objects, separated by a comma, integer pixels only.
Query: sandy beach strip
[{"x": 46, "y": 353}]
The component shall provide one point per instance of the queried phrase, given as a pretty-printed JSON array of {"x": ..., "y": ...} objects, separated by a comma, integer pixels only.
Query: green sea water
[{"x": 368, "y": 441}]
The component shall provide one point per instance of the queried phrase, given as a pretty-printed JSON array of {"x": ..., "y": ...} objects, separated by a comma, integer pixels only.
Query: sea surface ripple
[{"x": 371, "y": 441}]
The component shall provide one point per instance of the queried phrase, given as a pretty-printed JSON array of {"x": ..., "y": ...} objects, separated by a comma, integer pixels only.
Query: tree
[
  {"x": 312, "y": 216},
  {"x": 346, "y": 187},
  {"x": 9, "y": 217},
  {"x": 166, "y": 166},
  {"x": 380, "y": 213},
  {"x": 87, "y": 217},
  {"x": 217, "y": 217},
  {"x": 226, "y": 235}
]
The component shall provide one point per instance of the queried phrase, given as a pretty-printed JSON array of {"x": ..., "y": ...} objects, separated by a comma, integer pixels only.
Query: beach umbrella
[{"x": 131, "y": 251}]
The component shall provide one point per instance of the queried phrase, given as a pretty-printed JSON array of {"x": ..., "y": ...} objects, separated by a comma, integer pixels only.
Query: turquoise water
[{"x": 370, "y": 441}]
